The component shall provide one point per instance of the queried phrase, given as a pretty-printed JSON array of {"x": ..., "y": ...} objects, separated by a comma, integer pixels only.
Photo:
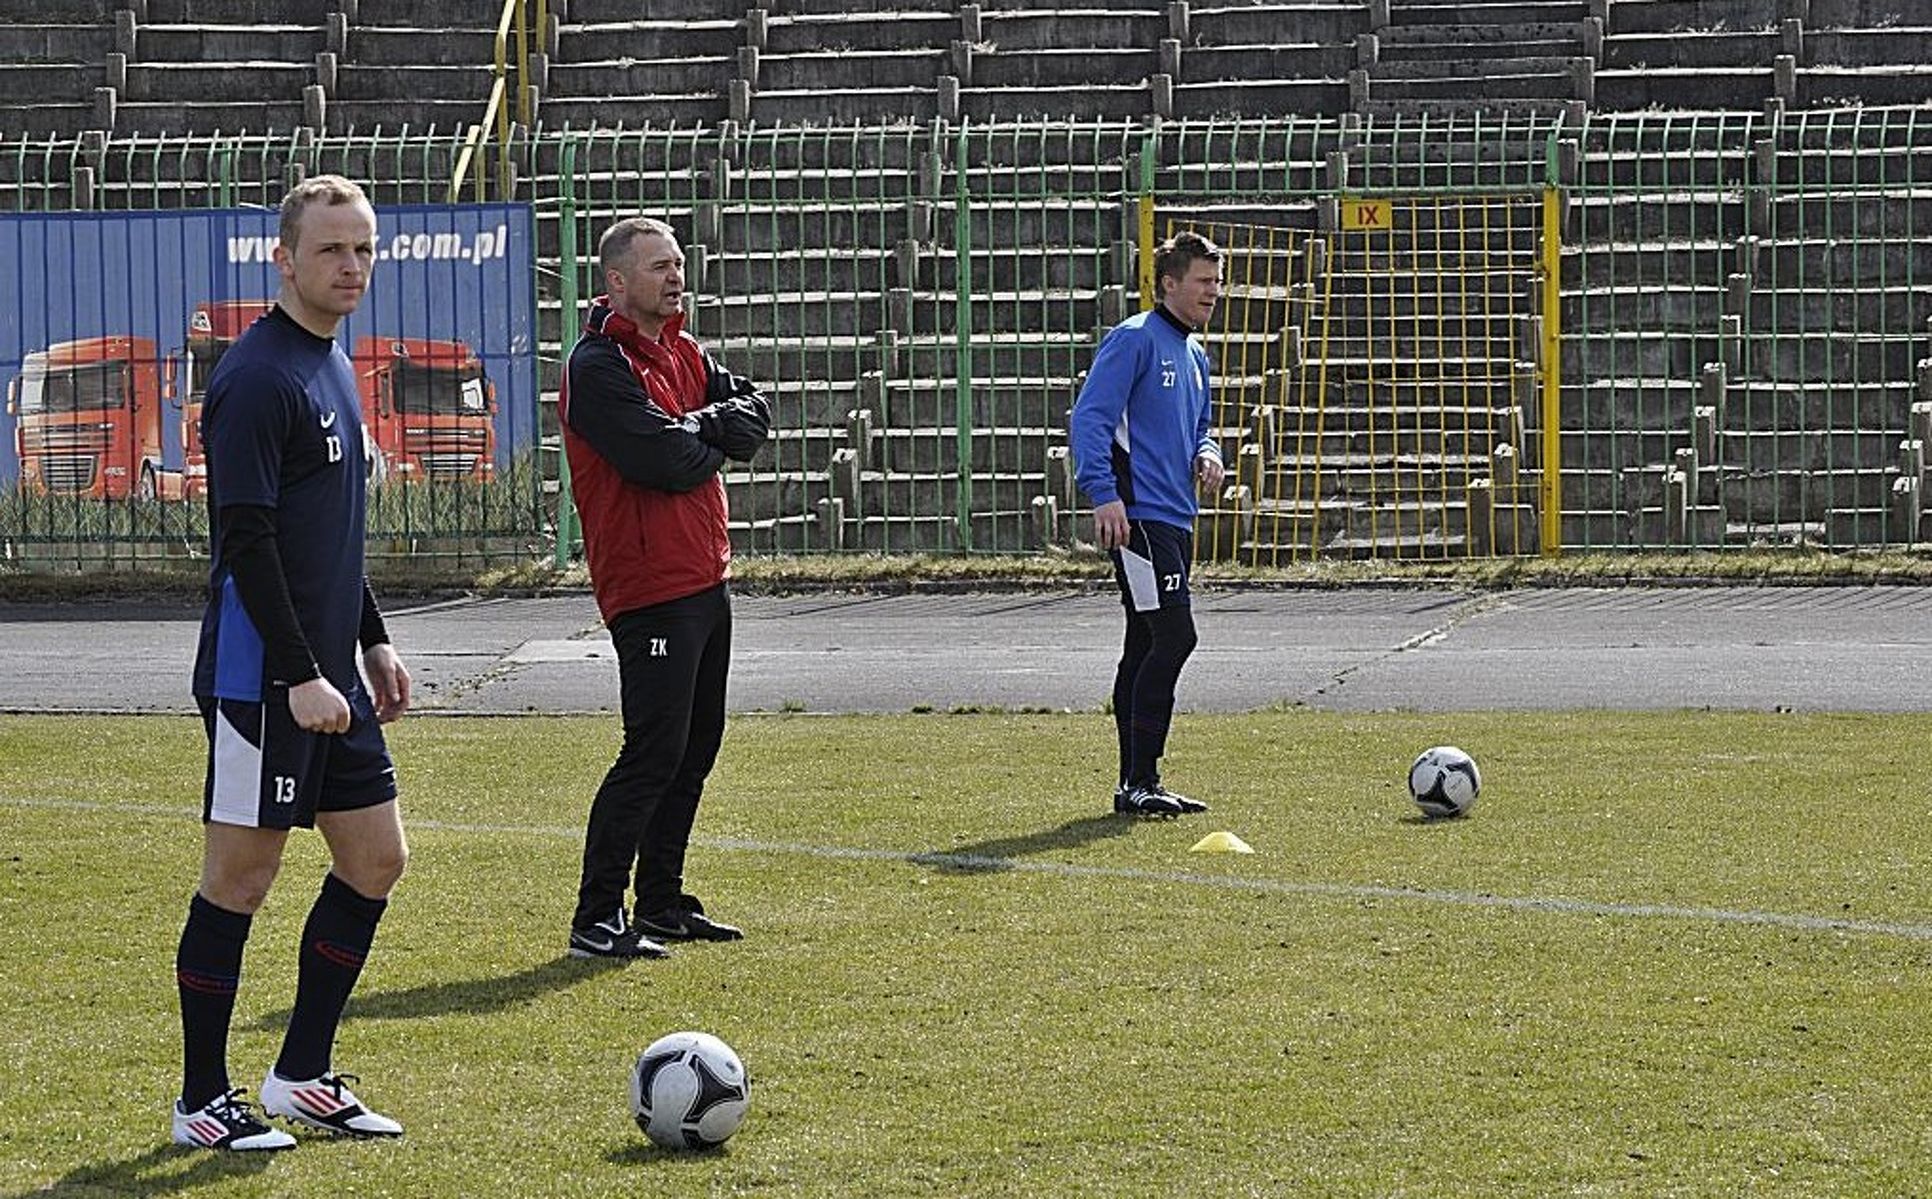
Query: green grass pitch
[{"x": 1670, "y": 954}]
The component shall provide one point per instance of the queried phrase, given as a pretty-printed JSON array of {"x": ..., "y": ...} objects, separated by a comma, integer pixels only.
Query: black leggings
[
  {"x": 1157, "y": 645},
  {"x": 672, "y": 659}
]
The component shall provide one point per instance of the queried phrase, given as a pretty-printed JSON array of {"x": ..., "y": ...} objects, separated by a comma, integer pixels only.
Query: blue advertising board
[{"x": 445, "y": 274}]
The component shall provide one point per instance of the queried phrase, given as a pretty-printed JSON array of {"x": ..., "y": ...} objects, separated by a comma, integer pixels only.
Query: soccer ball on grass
[
  {"x": 689, "y": 1091},
  {"x": 1444, "y": 782}
]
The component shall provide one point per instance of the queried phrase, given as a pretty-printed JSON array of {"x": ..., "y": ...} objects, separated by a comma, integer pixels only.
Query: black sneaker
[
  {"x": 1146, "y": 802},
  {"x": 686, "y": 921},
  {"x": 613, "y": 938},
  {"x": 1187, "y": 805}
]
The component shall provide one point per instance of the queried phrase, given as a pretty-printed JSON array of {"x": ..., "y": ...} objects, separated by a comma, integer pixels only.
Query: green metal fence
[{"x": 1727, "y": 346}]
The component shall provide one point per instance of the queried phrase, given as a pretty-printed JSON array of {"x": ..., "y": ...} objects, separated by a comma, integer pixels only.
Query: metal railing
[{"x": 1713, "y": 328}]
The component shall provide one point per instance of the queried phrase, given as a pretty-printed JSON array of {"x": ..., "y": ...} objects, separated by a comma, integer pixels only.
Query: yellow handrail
[{"x": 497, "y": 113}]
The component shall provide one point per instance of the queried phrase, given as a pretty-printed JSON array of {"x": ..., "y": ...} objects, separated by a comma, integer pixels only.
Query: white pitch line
[{"x": 975, "y": 862}]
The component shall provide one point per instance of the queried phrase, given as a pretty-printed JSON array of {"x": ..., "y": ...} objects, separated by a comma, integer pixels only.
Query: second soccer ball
[{"x": 1444, "y": 782}]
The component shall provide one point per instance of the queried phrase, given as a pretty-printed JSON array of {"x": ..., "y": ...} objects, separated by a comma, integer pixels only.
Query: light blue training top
[{"x": 1142, "y": 418}]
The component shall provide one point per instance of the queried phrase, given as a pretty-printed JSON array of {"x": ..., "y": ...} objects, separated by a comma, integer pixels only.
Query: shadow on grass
[
  {"x": 162, "y": 1170},
  {"x": 642, "y": 1152},
  {"x": 467, "y": 996},
  {"x": 991, "y": 857}
]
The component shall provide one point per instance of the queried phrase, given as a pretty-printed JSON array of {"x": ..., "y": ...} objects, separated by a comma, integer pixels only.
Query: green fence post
[
  {"x": 568, "y": 529},
  {"x": 963, "y": 337}
]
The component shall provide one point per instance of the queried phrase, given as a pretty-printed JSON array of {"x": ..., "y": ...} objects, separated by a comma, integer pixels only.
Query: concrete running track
[{"x": 1365, "y": 648}]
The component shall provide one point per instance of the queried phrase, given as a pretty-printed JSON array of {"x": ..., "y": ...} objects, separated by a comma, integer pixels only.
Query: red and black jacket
[{"x": 647, "y": 425}]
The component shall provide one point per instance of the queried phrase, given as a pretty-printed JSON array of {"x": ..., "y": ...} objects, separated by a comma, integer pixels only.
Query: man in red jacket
[{"x": 649, "y": 418}]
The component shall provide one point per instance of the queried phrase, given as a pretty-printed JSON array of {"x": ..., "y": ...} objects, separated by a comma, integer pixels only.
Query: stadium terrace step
[
  {"x": 1866, "y": 167},
  {"x": 1487, "y": 12},
  {"x": 795, "y": 7},
  {"x": 868, "y": 270},
  {"x": 813, "y": 402},
  {"x": 1493, "y": 69},
  {"x": 77, "y": 12},
  {"x": 179, "y": 117},
  {"x": 1850, "y": 87},
  {"x": 22, "y": 44},
  {"x": 1092, "y": 101},
  {"x": 808, "y": 32},
  {"x": 1898, "y": 214},
  {"x": 845, "y": 106},
  {"x": 839, "y": 70},
  {"x": 1489, "y": 108},
  {"x": 649, "y": 39},
  {"x": 217, "y": 82},
  {"x": 1679, "y": 170},
  {"x": 701, "y": 75},
  {"x": 1892, "y": 45},
  {"x": 1613, "y": 406},
  {"x": 1619, "y": 353},
  {"x": 1002, "y": 402},
  {"x": 1653, "y": 217},
  {"x": 378, "y": 45},
  {"x": 1713, "y": 88},
  {"x": 1751, "y": 496},
  {"x": 1127, "y": 65},
  {"x": 1008, "y": 451},
  {"x": 1849, "y": 304},
  {"x": 805, "y": 449},
  {"x": 1670, "y": 307},
  {"x": 1248, "y": 64},
  {"x": 1751, "y": 404},
  {"x": 689, "y": 11},
  {"x": 633, "y": 113},
  {"x": 1681, "y": 263},
  {"x": 231, "y": 44},
  {"x": 1815, "y": 259},
  {"x": 406, "y": 86},
  {"x": 1128, "y": 25},
  {"x": 1441, "y": 49},
  {"x": 354, "y": 115},
  {"x": 31, "y": 83},
  {"x": 1308, "y": 97},
  {"x": 236, "y": 12},
  {"x": 1679, "y": 17},
  {"x": 49, "y": 118},
  {"x": 1487, "y": 83},
  {"x": 1330, "y": 23},
  {"x": 1717, "y": 48}
]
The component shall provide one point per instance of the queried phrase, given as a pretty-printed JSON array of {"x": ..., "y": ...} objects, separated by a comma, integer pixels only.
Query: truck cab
[
  {"x": 88, "y": 420},
  {"x": 212, "y": 328},
  {"x": 429, "y": 408}
]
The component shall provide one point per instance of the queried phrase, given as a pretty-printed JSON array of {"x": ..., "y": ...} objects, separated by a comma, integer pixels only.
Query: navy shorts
[
  {"x": 1152, "y": 567},
  {"x": 264, "y": 771}
]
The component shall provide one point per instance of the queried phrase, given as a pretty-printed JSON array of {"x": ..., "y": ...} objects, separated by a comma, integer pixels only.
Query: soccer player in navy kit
[
  {"x": 1141, "y": 444},
  {"x": 293, "y": 736}
]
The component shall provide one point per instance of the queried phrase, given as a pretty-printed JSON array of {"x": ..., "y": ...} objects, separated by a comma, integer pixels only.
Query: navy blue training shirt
[{"x": 282, "y": 428}]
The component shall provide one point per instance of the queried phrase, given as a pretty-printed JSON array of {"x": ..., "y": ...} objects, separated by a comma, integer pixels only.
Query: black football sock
[
  {"x": 207, "y": 971},
  {"x": 335, "y": 941},
  {"x": 1133, "y": 652},
  {"x": 1174, "y": 638}
]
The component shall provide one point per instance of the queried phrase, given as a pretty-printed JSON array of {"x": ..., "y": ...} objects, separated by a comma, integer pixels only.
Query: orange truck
[
  {"x": 89, "y": 421},
  {"x": 90, "y": 416},
  {"x": 429, "y": 408}
]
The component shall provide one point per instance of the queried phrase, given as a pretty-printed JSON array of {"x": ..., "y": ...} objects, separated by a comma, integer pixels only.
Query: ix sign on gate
[{"x": 1365, "y": 213}]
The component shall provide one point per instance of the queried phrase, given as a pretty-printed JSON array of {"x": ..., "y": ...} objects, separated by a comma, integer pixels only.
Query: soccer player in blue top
[
  {"x": 293, "y": 735},
  {"x": 1141, "y": 445}
]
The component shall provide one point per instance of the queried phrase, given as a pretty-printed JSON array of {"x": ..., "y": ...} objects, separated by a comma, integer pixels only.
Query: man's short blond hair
[
  {"x": 614, "y": 247},
  {"x": 316, "y": 189}
]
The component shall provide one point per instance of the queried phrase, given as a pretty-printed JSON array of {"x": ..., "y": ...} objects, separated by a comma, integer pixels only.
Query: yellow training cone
[{"x": 1223, "y": 842}]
